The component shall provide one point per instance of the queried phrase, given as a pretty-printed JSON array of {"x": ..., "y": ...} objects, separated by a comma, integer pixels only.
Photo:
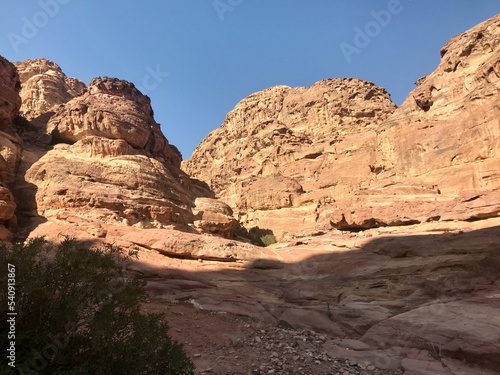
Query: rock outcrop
[
  {"x": 10, "y": 144},
  {"x": 111, "y": 163},
  {"x": 340, "y": 155},
  {"x": 416, "y": 288},
  {"x": 420, "y": 297},
  {"x": 113, "y": 109},
  {"x": 44, "y": 87},
  {"x": 283, "y": 152}
]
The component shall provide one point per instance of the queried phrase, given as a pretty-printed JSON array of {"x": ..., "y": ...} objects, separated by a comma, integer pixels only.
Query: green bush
[
  {"x": 268, "y": 239},
  {"x": 78, "y": 313}
]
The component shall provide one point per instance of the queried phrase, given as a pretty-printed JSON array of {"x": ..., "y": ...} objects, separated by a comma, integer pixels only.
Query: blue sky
[{"x": 196, "y": 59}]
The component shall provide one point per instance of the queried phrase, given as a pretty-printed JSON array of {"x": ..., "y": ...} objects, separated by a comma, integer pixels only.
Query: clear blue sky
[{"x": 216, "y": 57}]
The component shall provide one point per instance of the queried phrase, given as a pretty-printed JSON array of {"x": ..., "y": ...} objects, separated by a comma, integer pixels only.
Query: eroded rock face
[
  {"x": 10, "y": 143},
  {"x": 448, "y": 129},
  {"x": 113, "y": 109},
  {"x": 45, "y": 86},
  {"x": 357, "y": 162},
  {"x": 284, "y": 150},
  {"x": 213, "y": 216},
  {"x": 112, "y": 164},
  {"x": 438, "y": 155}
]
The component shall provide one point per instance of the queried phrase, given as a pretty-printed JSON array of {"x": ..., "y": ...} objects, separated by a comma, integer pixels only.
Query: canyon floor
[{"x": 372, "y": 302}]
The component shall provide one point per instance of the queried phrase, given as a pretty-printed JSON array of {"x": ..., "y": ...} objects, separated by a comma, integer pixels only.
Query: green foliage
[
  {"x": 257, "y": 236},
  {"x": 78, "y": 312},
  {"x": 268, "y": 239}
]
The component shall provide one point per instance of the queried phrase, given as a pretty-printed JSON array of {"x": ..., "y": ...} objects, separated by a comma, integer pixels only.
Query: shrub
[
  {"x": 78, "y": 312},
  {"x": 268, "y": 239}
]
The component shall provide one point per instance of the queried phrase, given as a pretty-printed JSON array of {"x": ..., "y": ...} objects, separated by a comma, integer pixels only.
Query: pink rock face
[
  {"x": 113, "y": 109},
  {"x": 359, "y": 161},
  {"x": 10, "y": 143},
  {"x": 447, "y": 132},
  {"x": 45, "y": 86},
  {"x": 9, "y": 93},
  {"x": 112, "y": 165},
  {"x": 213, "y": 216},
  {"x": 282, "y": 150},
  {"x": 117, "y": 167}
]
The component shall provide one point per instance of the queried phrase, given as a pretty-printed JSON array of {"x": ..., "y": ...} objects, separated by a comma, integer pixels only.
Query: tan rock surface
[
  {"x": 213, "y": 216},
  {"x": 45, "y": 86},
  {"x": 115, "y": 165},
  {"x": 10, "y": 144},
  {"x": 421, "y": 297},
  {"x": 113, "y": 109},
  {"x": 356, "y": 160},
  {"x": 432, "y": 287}
]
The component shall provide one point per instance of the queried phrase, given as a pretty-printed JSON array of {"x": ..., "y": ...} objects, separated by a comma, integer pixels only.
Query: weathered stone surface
[
  {"x": 335, "y": 155},
  {"x": 213, "y": 216},
  {"x": 112, "y": 165},
  {"x": 10, "y": 143},
  {"x": 433, "y": 287},
  {"x": 111, "y": 181},
  {"x": 359, "y": 161},
  {"x": 113, "y": 109},
  {"x": 290, "y": 147},
  {"x": 9, "y": 92},
  {"x": 45, "y": 86},
  {"x": 451, "y": 139}
]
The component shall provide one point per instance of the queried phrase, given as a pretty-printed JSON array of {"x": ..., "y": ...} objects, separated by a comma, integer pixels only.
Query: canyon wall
[{"x": 340, "y": 154}]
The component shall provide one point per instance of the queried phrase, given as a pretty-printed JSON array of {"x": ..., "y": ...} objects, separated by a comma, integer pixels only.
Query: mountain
[
  {"x": 10, "y": 145},
  {"x": 387, "y": 218},
  {"x": 340, "y": 154}
]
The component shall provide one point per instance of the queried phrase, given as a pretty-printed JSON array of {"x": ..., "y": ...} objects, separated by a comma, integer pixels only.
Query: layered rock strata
[
  {"x": 339, "y": 154},
  {"x": 10, "y": 145},
  {"x": 111, "y": 162},
  {"x": 44, "y": 87}
]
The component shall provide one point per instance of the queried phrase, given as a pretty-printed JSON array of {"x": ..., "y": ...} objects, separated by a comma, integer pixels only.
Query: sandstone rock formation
[
  {"x": 111, "y": 163},
  {"x": 283, "y": 152},
  {"x": 10, "y": 144},
  {"x": 339, "y": 154},
  {"x": 45, "y": 86},
  {"x": 418, "y": 286},
  {"x": 421, "y": 297},
  {"x": 213, "y": 216}
]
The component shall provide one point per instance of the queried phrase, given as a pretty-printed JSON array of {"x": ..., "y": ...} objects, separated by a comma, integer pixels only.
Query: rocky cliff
[
  {"x": 339, "y": 154},
  {"x": 45, "y": 86},
  {"x": 112, "y": 164},
  {"x": 93, "y": 164},
  {"x": 94, "y": 156},
  {"x": 10, "y": 145},
  {"x": 284, "y": 152}
]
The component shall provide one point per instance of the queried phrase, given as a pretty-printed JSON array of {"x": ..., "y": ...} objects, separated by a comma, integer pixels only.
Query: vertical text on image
[{"x": 11, "y": 314}]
